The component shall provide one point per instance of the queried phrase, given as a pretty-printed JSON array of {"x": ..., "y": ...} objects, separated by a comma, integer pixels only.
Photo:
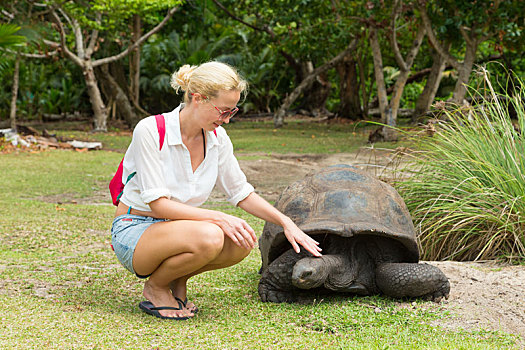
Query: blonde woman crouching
[{"x": 159, "y": 231}]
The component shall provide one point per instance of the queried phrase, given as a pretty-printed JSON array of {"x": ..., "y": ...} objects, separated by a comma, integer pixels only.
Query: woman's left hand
[
  {"x": 297, "y": 237},
  {"x": 257, "y": 206}
]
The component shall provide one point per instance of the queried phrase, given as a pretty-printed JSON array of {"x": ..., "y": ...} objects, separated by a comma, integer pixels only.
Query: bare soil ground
[{"x": 484, "y": 295}]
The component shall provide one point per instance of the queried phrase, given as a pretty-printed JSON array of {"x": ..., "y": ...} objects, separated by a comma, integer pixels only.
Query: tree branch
[
  {"x": 432, "y": 37},
  {"x": 279, "y": 116},
  {"x": 465, "y": 36},
  {"x": 415, "y": 46},
  {"x": 138, "y": 42},
  {"x": 33, "y": 55},
  {"x": 392, "y": 36},
  {"x": 265, "y": 29},
  {"x": 79, "y": 39},
  {"x": 63, "y": 44},
  {"x": 94, "y": 37}
]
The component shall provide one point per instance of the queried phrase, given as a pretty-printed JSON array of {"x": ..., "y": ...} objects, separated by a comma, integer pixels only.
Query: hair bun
[{"x": 181, "y": 78}]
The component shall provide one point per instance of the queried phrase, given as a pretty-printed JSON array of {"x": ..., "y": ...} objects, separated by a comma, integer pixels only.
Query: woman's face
[{"x": 212, "y": 108}]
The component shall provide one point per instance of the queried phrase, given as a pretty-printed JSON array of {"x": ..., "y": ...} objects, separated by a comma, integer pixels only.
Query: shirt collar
[{"x": 173, "y": 129}]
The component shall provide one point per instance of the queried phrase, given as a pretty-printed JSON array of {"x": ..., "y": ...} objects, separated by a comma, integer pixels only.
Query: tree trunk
[
  {"x": 464, "y": 73},
  {"x": 350, "y": 105},
  {"x": 378, "y": 72},
  {"x": 406, "y": 65},
  {"x": 134, "y": 61},
  {"x": 14, "y": 93},
  {"x": 278, "y": 118},
  {"x": 362, "y": 82},
  {"x": 426, "y": 98},
  {"x": 115, "y": 91},
  {"x": 99, "y": 109},
  {"x": 316, "y": 93}
]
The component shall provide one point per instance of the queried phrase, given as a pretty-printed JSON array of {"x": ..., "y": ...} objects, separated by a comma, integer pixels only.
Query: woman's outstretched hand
[
  {"x": 297, "y": 237},
  {"x": 237, "y": 230},
  {"x": 257, "y": 206}
]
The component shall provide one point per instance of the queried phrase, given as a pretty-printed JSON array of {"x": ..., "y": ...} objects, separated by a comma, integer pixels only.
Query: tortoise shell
[{"x": 344, "y": 201}]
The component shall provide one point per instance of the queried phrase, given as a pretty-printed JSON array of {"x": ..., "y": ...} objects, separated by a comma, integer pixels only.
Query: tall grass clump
[{"x": 466, "y": 191}]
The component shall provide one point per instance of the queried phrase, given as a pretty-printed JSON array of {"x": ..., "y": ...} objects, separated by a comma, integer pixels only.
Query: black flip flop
[
  {"x": 150, "y": 309},
  {"x": 184, "y": 302}
]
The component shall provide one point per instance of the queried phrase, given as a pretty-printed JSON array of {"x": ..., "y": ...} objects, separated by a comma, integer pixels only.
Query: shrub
[{"x": 466, "y": 189}]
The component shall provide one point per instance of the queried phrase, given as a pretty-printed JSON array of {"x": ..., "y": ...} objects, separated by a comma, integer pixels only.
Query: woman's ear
[{"x": 197, "y": 97}]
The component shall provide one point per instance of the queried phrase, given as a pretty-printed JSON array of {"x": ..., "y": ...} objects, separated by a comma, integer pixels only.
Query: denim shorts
[{"x": 125, "y": 234}]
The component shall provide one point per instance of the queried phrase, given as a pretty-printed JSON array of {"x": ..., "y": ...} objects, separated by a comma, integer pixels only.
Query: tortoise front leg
[
  {"x": 276, "y": 281},
  {"x": 400, "y": 280}
]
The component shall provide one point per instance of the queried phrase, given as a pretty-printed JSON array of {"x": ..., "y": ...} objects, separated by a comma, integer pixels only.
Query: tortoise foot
[
  {"x": 442, "y": 292},
  {"x": 413, "y": 280},
  {"x": 272, "y": 295}
]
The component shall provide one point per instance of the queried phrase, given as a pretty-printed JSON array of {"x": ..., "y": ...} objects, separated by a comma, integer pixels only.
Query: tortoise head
[
  {"x": 309, "y": 273},
  {"x": 312, "y": 272}
]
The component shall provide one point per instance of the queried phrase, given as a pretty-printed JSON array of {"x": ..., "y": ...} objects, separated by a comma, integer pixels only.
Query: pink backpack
[{"x": 116, "y": 187}]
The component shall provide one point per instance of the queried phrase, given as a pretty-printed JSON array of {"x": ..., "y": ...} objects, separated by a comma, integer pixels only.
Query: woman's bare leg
[
  {"x": 231, "y": 254},
  {"x": 172, "y": 249}
]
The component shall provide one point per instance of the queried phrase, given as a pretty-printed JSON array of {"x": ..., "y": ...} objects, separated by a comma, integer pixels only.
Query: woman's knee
[
  {"x": 240, "y": 254},
  {"x": 210, "y": 240},
  {"x": 232, "y": 254}
]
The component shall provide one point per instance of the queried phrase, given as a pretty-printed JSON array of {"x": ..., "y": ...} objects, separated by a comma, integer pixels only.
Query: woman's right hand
[{"x": 236, "y": 229}]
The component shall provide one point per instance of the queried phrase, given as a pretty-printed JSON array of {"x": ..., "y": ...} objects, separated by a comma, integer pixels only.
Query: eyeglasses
[{"x": 225, "y": 114}]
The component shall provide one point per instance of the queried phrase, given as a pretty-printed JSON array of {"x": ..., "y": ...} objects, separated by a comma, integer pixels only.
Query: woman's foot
[
  {"x": 179, "y": 291},
  {"x": 161, "y": 297}
]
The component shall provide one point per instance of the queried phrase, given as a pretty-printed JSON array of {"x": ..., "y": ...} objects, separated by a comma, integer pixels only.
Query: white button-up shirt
[{"x": 168, "y": 172}]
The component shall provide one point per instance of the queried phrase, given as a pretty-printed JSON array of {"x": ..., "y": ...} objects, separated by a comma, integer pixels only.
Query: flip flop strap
[
  {"x": 182, "y": 303},
  {"x": 165, "y": 308}
]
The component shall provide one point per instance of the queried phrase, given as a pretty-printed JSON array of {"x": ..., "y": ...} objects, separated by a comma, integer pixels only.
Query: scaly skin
[
  {"x": 401, "y": 280},
  {"x": 276, "y": 281}
]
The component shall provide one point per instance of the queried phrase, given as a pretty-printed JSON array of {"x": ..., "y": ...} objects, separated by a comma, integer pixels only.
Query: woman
[{"x": 159, "y": 232}]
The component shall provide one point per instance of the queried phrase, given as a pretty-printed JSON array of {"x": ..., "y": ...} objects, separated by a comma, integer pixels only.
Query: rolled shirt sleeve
[{"x": 231, "y": 179}]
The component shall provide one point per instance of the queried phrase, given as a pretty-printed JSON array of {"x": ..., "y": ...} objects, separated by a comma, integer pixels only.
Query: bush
[{"x": 466, "y": 192}]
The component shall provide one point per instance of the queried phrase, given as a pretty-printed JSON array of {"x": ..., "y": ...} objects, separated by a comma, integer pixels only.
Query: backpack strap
[{"x": 161, "y": 127}]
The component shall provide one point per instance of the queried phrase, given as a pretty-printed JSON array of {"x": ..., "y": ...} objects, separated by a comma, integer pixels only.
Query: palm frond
[{"x": 8, "y": 36}]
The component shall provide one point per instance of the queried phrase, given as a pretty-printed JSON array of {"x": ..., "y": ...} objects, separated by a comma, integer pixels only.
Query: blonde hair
[{"x": 207, "y": 79}]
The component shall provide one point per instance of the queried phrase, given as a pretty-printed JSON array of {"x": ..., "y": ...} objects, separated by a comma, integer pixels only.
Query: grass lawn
[{"x": 62, "y": 287}]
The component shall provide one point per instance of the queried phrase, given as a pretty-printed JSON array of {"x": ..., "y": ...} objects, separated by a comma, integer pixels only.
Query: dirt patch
[{"x": 485, "y": 295}]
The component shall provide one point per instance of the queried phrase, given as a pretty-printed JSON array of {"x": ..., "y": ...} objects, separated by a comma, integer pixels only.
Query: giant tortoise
[{"x": 367, "y": 236}]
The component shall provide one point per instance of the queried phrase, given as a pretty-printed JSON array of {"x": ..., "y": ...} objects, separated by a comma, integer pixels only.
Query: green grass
[
  {"x": 63, "y": 288},
  {"x": 297, "y": 136},
  {"x": 467, "y": 190}
]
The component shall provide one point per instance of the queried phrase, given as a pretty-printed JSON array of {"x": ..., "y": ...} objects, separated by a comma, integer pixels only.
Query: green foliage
[
  {"x": 45, "y": 88},
  {"x": 115, "y": 14},
  {"x": 163, "y": 55},
  {"x": 9, "y": 36},
  {"x": 304, "y": 31},
  {"x": 411, "y": 94},
  {"x": 467, "y": 190}
]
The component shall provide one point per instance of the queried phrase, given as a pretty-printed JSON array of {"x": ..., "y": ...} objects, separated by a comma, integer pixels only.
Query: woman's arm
[
  {"x": 256, "y": 205},
  {"x": 236, "y": 228}
]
